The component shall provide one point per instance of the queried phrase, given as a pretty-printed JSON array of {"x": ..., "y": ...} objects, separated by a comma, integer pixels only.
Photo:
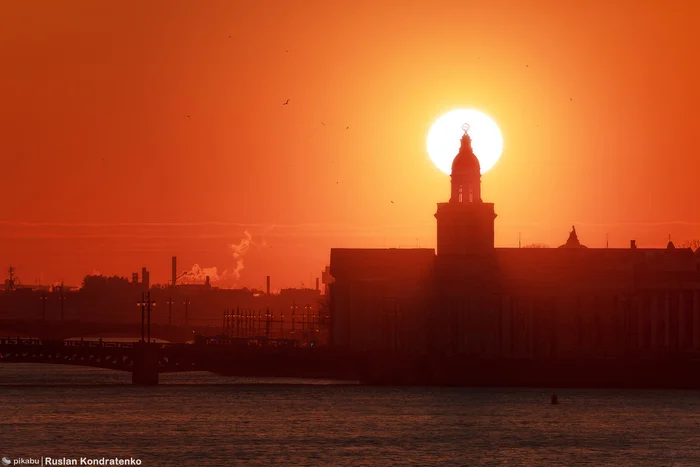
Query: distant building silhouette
[
  {"x": 572, "y": 241},
  {"x": 471, "y": 298}
]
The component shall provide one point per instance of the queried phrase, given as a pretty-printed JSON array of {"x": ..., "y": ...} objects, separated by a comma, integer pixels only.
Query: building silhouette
[{"x": 470, "y": 298}]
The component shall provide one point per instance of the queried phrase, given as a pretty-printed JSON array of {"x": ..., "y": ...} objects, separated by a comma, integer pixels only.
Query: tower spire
[
  {"x": 465, "y": 223},
  {"x": 466, "y": 172}
]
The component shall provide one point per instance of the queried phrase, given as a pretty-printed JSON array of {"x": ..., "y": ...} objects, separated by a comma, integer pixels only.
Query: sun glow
[{"x": 445, "y": 134}]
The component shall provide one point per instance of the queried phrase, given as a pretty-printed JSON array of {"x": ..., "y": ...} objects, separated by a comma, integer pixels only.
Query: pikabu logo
[{"x": 20, "y": 461}]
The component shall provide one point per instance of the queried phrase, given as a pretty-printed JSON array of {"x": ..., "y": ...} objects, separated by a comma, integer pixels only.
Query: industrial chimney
[
  {"x": 317, "y": 287},
  {"x": 206, "y": 281},
  {"x": 174, "y": 271},
  {"x": 268, "y": 285},
  {"x": 633, "y": 244},
  {"x": 145, "y": 278}
]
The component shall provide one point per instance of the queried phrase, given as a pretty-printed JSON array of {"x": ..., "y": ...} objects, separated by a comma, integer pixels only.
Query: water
[{"x": 72, "y": 412}]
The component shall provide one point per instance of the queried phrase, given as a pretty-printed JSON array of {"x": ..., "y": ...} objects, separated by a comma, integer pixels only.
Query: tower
[
  {"x": 465, "y": 223},
  {"x": 173, "y": 281}
]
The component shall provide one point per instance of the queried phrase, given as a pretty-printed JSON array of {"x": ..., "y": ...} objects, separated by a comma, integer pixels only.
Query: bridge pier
[{"x": 145, "y": 371}]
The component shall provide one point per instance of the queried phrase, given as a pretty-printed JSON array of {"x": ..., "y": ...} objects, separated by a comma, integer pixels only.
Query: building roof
[{"x": 379, "y": 263}]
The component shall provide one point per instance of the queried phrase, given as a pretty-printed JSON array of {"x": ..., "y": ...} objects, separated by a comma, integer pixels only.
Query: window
[
  {"x": 471, "y": 195},
  {"x": 460, "y": 194}
]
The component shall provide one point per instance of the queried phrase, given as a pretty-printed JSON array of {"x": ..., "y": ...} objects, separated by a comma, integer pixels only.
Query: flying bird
[
  {"x": 229, "y": 37},
  {"x": 392, "y": 202},
  {"x": 347, "y": 127},
  {"x": 286, "y": 102},
  {"x": 188, "y": 117},
  {"x": 323, "y": 124},
  {"x": 571, "y": 99},
  {"x": 527, "y": 66}
]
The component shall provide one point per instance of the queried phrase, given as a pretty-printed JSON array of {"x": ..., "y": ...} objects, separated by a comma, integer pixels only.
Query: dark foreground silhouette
[{"x": 278, "y": 358}]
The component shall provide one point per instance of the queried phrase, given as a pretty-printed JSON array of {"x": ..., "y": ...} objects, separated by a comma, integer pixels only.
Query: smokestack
[
  {"x": 268, "y": 285},
  {"x": 206, "y": 281},
  {"x": 174, "y": 271},
  {"x": 317, "y": 288},
  {"x": 633, "y": 244},
  {"x": 145, "y": 276}
]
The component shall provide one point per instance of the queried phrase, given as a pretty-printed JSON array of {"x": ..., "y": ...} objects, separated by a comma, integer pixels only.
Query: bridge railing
[
  {"x": 79, "y": 343},
  {"x": 233, "y": 343}
]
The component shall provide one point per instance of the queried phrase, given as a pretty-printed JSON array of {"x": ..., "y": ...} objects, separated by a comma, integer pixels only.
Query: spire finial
[{"x": 466, "y": 136}]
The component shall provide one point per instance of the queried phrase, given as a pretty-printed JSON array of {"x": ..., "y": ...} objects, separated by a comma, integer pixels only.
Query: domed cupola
[
  {"x": 465, "y": 223},
  {"x": 466, "y": 161},
  {"x": 466, "y": 173}
]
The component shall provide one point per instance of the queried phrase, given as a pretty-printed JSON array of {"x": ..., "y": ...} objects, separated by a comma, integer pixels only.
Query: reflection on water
[{"x": 347, "y": 425}]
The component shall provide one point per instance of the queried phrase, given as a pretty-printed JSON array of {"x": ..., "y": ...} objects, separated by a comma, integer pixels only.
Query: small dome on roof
[
  {"x": 572, "y": 241},
  {"x": 466, "y": 161}
]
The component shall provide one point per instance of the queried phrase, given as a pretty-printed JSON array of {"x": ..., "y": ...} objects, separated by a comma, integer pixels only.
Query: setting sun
[{"x": 444, "y": 138}]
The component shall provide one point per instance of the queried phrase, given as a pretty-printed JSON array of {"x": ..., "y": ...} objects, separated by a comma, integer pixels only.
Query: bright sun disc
[{"x": 445, "y": 135}]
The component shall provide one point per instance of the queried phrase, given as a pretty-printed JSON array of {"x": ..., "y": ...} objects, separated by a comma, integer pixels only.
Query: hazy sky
[{"x": 103, "y": 170}]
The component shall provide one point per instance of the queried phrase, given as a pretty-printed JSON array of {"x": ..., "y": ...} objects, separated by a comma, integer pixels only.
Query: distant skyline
[{"x": 141, "y": 130}]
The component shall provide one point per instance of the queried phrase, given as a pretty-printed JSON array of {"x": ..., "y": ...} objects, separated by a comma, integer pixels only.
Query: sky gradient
[{"x": 136, "y": 130}]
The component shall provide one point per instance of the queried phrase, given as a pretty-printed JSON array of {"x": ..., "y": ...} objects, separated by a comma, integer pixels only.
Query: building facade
[{"x": 470, "y": 298}]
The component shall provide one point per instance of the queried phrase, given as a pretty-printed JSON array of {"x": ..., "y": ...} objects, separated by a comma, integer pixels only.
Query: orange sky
[{"x": 101, "y": 170}]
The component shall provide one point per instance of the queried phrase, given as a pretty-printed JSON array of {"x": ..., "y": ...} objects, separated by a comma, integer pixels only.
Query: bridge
[
  {"x": 277, "y": 358},
  {"x": 145, "y": 361},
  {"x": 60, "y": 330}
]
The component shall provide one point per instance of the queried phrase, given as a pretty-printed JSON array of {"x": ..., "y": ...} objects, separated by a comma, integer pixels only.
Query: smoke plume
[{"x": 198, "y": 274}]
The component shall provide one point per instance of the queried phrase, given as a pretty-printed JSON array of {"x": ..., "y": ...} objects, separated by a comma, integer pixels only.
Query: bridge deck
[{"x": 239, "y": 358}]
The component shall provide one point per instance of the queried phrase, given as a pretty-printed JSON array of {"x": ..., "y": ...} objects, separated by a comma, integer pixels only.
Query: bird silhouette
[
  {"x": 571, "y": 99},
  {"x": 188, "y": 117},
  {"x": 347, "y": 127},
  {"x": 286, "y": 102},
  {"x": 392, "y": 202},
  {"x": 323, "y": 124},
  {"x": 229, "y": 37},
  {"x": 286, "y": 50},
  {"x": 527, "y": 66}
]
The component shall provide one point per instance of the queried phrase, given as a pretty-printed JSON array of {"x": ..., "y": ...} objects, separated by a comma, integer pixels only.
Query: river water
[{"x": 200, "y": 419}]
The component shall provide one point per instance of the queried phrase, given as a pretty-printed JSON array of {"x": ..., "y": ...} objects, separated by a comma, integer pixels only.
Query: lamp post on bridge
[
  {"x": 151, "y": 303},
  {"x": 170, "y": 303},
  {"x": 142, "y": 304},
  {"x": 43, "y": 306},
  {"x": 187, "y": 304},
  {"x": 61, "y": 298},
  {"x": 306, "y": 324}
]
